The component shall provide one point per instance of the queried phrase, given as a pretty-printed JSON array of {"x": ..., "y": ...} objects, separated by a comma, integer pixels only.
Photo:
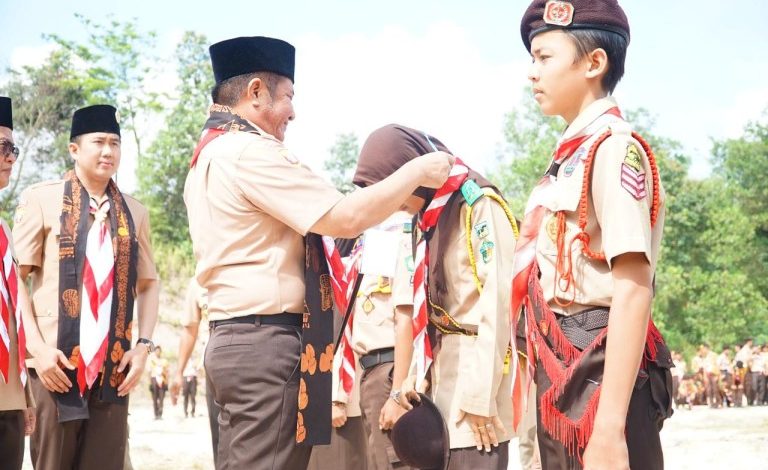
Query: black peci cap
[
  {"x": 96, "y": 118},
  {"x": 239, "y": 56},
  {"x": 6, "y": 112}
]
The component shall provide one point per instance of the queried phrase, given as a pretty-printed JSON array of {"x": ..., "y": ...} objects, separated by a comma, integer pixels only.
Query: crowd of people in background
[{"x": 738, "y": 376}]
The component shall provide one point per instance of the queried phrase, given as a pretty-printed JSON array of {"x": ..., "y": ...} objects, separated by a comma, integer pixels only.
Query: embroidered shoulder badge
[
  {"x": 471, "y": 192},
  {"x": 633, "y": 173},
  {"x": 558, "y": 13},
  {"x": 486, "y": 251},
  {"x": 481, "y": 229}
]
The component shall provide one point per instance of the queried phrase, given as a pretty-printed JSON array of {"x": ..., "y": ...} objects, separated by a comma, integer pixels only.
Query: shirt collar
[{"x": 588, "y": 115}]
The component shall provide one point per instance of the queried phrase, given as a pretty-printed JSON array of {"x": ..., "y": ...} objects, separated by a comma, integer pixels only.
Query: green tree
[
  {"x": 163, "y": 170},
  {"x": 529, "y": 139},
  {"x": 121, "y": 70},
  {"x": 341, "y": 164},
  {"x": 44, "y": 98}
]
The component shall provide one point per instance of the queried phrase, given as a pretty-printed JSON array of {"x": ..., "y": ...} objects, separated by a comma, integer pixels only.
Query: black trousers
[
  {"x": 158, "y": 397},
  {"x": 189, "y": 389},
  {"x": 11, "y": 439}
]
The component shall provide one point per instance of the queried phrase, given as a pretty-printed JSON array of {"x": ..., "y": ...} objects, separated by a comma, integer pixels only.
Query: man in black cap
[
  {"x": 250, "y": 204},
  {"x": 585, "y": 260},
  {"x": 86, "y": 247},
  {"x": 17, "y": 413}
]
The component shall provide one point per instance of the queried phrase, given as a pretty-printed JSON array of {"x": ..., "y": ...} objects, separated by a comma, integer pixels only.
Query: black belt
[
  {"x": 377, "y": 357},
  {"x": 582, "y": 328},
  {"x": 285, "y": 319}
]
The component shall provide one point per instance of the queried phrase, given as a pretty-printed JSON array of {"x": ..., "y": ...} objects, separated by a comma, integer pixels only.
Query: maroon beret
[{"x": 545, "y": 15}]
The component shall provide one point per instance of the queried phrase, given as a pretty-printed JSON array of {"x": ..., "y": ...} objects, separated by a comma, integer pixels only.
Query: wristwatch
[
  {"x": 395, "y": 396},
  {"x": 148, "y": 342}
]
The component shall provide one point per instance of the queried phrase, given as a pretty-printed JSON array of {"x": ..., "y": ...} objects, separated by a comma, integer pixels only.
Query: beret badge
[{"x": 558, "y": 13}]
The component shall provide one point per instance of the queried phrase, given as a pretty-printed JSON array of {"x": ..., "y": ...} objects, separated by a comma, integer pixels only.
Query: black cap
[
  {"x": 6, "y": 112},
  {"x": 545, "y": 15},
  {"x": 242, "y": 55},
  {"x": 420, "y": 437},
  {"x": 96, "y": 118}
]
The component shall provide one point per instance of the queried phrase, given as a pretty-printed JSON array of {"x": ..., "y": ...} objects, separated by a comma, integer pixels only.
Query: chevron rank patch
[{"x": 633, "y": 173}]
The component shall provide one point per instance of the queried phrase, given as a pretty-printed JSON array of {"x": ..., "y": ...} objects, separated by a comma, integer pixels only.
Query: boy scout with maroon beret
[
  {"x": 250, "y": 203},
  {"x": 585, "y": 260}
]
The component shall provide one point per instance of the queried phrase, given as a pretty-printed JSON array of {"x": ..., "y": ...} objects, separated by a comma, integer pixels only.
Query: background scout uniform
[
  {"x": 195, "y": 309},
  {"x": 36, "y": 234},
  {"x": 468, "y": 373},
  {"x": 373, "y": 340},
  {"x": 15, "y": 397},
  {"x": 250, "y": 204},
  {"x": 158, "y": 380}
]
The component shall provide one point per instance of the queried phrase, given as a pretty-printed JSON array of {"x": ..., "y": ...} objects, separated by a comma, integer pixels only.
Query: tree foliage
[{"x": 342, "y": 161}]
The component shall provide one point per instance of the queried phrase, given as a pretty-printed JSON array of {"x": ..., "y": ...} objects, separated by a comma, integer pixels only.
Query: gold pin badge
[{"x": 558, "y": 13}]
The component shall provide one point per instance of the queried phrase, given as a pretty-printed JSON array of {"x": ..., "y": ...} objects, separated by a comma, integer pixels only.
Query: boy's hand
[
  {"x": 606, "y": 451},
  {"x": 390, "y": 413},
  {"x": 48, "y": 364},
  {"x": 338, "y": 415}
]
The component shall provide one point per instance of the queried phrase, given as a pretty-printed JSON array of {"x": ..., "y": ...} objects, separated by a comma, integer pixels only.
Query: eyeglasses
[{"x": 7, "y": 148}]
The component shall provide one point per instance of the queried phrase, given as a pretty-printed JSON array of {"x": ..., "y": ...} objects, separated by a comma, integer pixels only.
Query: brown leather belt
[
  {"x": 376, "y": 357},
  {"x": 283, "y": 319}
]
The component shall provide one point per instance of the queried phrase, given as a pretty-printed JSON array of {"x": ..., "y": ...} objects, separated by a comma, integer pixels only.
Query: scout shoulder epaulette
[{"x": 471, "y": 192}]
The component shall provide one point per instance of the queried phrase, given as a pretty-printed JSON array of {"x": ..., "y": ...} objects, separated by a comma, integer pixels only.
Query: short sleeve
[
  {"x": 146, "y": 266},
  {"x": 622, "y": 194},
  {"x": 28, "y": 230},
  {"x": 272, "y": 179},
  {"x": 192, "y": 313}
]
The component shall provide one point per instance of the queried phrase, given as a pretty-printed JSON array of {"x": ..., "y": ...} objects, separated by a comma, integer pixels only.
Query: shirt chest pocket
[{"x": 564, "y": 196}]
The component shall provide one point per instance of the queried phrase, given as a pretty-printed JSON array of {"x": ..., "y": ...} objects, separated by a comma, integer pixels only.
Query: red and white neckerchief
[
  {"x": 96, "y": 308},
  {"x": 9, "y": 289},
  {"x": 422, "y": 350},
  {"x": 525, "y": 251},
  {"x": 343, "y": 274}
]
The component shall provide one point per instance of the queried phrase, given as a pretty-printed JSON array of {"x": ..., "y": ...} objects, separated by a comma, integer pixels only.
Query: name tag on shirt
[{"x": 380, "y": 248}]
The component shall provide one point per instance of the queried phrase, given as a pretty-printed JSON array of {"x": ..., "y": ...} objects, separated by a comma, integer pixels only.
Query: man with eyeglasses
[
  {"x": 17, "y": 413},
  {"x": 85, "y": 246}
]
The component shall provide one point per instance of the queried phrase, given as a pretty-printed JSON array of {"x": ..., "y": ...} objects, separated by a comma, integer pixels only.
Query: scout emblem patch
[
  {"x": 558, "y": 13},
  {"x": 481, "y": 229},
  {"x": 486, "y": 251},
  {"x": 577, "y": 157},
  {"x": 633, "y": 173},
  {"x": 471, "y": 192}
]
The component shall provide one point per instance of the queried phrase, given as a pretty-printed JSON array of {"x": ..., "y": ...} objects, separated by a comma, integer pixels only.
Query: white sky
[{"x": 452, "y": 68}]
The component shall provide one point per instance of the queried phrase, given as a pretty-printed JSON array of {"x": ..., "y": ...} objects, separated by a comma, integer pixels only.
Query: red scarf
[
  {"x": 9, "y": 290},
  {"x": 422, "y": 350}
]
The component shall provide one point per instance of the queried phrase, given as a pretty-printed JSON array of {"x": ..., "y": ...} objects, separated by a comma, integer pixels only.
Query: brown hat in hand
[
  {"x": 546, "y": 15},
  {"x": 420, "y": 437}
]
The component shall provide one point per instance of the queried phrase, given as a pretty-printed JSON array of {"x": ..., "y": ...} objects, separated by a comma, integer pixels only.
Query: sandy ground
[{"x": 699, "y": 439}]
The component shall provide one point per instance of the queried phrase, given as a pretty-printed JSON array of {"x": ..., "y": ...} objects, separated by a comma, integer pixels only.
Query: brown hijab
[{"x": 384, "y": 152}]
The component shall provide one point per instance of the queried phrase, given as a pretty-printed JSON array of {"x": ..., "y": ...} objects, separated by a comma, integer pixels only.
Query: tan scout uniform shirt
[
  {"x": 374, "y": 310},
  {"x": 250, "y": 202},
  {"x": 12, "y": 395},
  {"x": 468, "y": 372},
  {"x": 36, "y": 235},
  {"x": 617, "y": 222}
]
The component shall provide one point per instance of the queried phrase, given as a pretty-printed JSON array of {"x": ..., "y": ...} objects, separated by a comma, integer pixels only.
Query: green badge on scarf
[
  {"x": 471, "y": 192},
  {"x": 486, "y": 251}
]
